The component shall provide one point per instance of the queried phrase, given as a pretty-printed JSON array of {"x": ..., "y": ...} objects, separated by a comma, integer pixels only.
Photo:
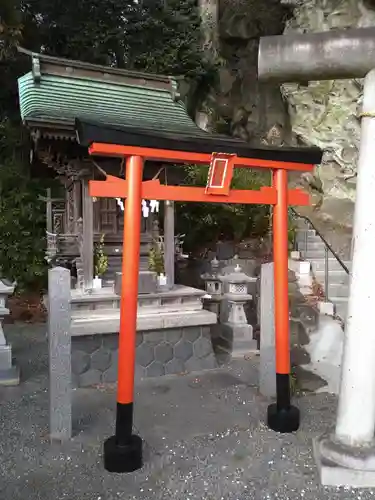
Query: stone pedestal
[
  {"x": 147, "y": 282},
  {"x": 9, "y": 374},
  {"x": 344, "y": 465}
]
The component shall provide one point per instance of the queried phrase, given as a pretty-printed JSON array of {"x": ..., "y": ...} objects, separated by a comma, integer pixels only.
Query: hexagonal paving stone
[
  {"x": 110, "y": 342},
  {"x": 192, "y": 333},
  {"x": 140, "y": 372},
  {"x": 110, "y": 375},
  {"x": 173, "y": 335},
  {"x": 154, "y": 337},
  {"x": 87, "y": 343},
  {"x": 155, "y": 369},
  {"x": 193, "y": 365},
  {"x": 100, "y": 359},
  {"x": 174, "y": 366},
  {"x": 163, "y": 352},
  {"x": 138, "y": 339},
  {"x": 209, "y": 363},
  {"x": 202, "y": 347},
  {"x": 183, "y": 350},
  {"x": 90, "y": 378},
  {"x": 114, "y": 358},
  {"x": 145, "y": 354},
  {"x": 80, "y": 362}
]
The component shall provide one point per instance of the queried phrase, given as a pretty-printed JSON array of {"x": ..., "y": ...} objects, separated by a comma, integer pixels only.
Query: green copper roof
[{"x": 57, "y": 91}]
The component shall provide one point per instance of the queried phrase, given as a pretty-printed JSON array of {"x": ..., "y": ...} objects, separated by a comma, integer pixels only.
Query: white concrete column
[
  {"x": 169, "y": 243},
  {"x": 356, "y": 412}
]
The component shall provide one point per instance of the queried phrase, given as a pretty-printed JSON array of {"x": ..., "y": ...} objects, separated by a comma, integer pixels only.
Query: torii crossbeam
[{"x": 123, "y": 452}]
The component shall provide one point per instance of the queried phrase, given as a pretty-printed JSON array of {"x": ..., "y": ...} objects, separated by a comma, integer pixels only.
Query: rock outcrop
[{"x": 325, "y": 114}]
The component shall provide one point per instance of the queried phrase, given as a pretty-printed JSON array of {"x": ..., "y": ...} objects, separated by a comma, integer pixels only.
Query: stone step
[
  {"x": 314, "y": 253},
  {"x": 301, "y": 241},
  {"x": 333, "y": 264},
  {"x": 338, "y": 290},
  {"x": 335, "y": 275},
  {"x": 302, "y": 231},
  {"x": 312, "y": 245},
  {"x": 341, "y": 306}
]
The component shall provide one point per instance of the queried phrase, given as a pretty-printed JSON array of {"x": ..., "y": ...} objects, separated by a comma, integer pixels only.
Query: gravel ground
[{"x": 204, "y": 439}]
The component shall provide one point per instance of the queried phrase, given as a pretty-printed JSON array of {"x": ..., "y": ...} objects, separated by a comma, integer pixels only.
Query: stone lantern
[
  {"x": 213, "y": 287},
  {"x": 237, "y": 334},
  {"x": 9, "y": 374}
]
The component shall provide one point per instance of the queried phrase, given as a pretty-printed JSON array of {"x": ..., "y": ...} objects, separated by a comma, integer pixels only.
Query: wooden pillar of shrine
[
  {"x": 88, "y": 235},
  {"x": 169, "y": 242}
]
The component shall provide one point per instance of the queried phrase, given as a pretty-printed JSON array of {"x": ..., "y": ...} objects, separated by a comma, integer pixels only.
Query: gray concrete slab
[{"x": 205, "y": 438}]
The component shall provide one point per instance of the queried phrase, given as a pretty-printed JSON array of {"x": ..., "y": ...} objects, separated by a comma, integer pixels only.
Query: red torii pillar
[{"x": 123, "y": 451}]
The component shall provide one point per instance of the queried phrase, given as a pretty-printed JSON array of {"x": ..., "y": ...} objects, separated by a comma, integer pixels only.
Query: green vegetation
[
  {"x": 100, "y": 258},
  {"x": 206, "y": 223},
  {"x": 104, "y": 32}
]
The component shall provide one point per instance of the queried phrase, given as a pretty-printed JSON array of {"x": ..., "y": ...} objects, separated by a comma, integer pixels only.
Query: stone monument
[{"x": 9, "y": 373}]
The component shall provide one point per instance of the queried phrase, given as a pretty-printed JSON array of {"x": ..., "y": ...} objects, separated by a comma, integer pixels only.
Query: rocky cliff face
[
  {"x": 324, "y": 114},
  {"x": 245, "y": 108}
]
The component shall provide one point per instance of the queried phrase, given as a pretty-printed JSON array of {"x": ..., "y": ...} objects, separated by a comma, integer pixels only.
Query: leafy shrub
[
  {"x": 22, "y": 217},
  {"x": 205, "y": 223}
]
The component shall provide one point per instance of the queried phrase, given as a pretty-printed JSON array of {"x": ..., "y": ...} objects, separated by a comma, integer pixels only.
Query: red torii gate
[{"x": 123, "y": 451}]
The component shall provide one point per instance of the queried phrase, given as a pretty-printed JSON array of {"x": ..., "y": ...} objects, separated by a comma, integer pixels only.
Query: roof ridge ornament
[
  {"x": 35, "y": 64},
  {"x": 175, "y": 93}
]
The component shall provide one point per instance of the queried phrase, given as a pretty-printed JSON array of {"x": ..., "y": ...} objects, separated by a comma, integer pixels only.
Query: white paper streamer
[{"x": 146, "y": 209}]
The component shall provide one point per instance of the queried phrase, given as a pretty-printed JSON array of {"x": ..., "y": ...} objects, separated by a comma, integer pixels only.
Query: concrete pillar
[
  {"x": 59, "y": 345},
  {"x": 348, "y": 457},
  {"x": 9, "y": 373},
  {"x": 356, "y": 412},
  {"x": 267, "y": 363}
]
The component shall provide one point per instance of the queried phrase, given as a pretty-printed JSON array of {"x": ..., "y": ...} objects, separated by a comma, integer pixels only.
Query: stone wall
[
  {"x": 241, "y": 106},
  {"x": 325, "y": 114},
  {"x": 160, "y": 352}
]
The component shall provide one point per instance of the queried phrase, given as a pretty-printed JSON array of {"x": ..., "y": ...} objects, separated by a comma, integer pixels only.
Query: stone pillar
[
  {"x": 267, "y": 364},
  {"x": 236, "y": 333},
  {"x": 169, "y": 242},
  {"x": 9, "y": 374},
  {"x": 59, "y": 346}
]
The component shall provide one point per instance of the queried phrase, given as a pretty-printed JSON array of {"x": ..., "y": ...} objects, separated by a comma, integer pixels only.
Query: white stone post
[
  {"x": 351, "y": 449},
  {"x": 9, "y": 373},
  {"x": 59, "y": 346}
]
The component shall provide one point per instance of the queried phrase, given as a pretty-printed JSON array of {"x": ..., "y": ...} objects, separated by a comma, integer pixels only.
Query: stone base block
[
  {"x": 158, "y": 352},
  {"x": 326, "y": 308},
  {"x": 340, "y": 465},
  {"x": 237, "y": 340},
  {"x": 295, "y": 255},
  {"x": 5, "y": 357},
  {"x": 300, "y": 267},
  {"x": 147, "y": 282},
  {"x": 10, "y": 377}
]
